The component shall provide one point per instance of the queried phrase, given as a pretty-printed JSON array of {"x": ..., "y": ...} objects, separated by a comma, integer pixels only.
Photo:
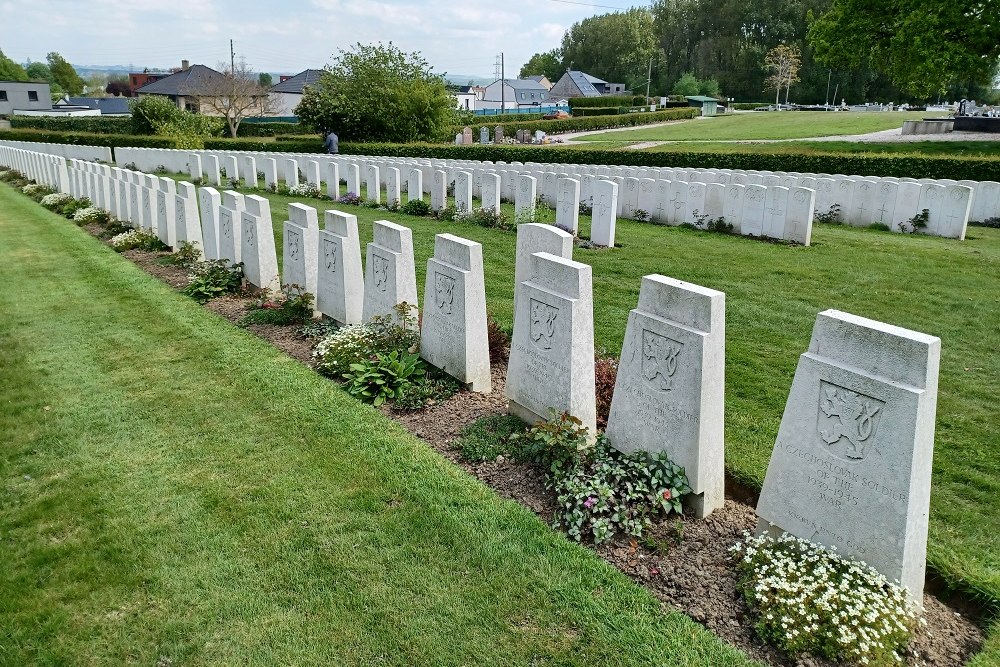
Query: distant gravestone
[
  {"x": 467, "y": 136},
  {"x": 568, "y": 205},
  {"x": 373, "y": 190},
  {"x": 300, "y": 239},
  {"x": 552, "y": 351},
  {"x": 453, "y": 333},
  {"x": 165, "y": 220},
  {"x": 799, "y": 215},
  {"x": 187, "y": 225},
  {"x": 490, "y": 193},
  {"x": 604, "y": 214},
  {"x": 775, "y": 211},
  {"x": 270, "y": 168},
  {"x": 390, "y": 275},
  {"x": 415, "y": 185},
  {"x": 194, "y": 166},
  {"x": 851, "y": 467},
  {"x": 354, "y": 179},
  {"x": 232, "y": 169},
  {"x": 313, "y": 173},
  {"x": 249, "y": 170},
  {"x": 484, "y": 135},
  {"x": 753, "y": 210},
  {"x": 212, "y": 166},
  {"x": 670, "y": 390},
  {"x": 231, "y": 226},
  {"x": 340, "y": 281},
  {"x": 439, "y": 190},
  {"x": 291, "y": 169},
  {"x": 524, "y": 202},
  {"x": 392, "y": 190},
  {"x": 463, "y": 191},
  {"x": 209, "y": 202},
  {"x": 458, "y": 139},
  {"x": 333, "y": 180},
  {"x": 260, "y": 260},
  {"x": 498, "y": 134}
]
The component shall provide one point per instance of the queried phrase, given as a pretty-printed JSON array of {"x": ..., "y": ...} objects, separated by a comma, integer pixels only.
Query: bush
[
  {"x": 988, "y": 222},
  {"x": 556, "y": 445},
  {"x": 84, "y": 139},
  {"x": 808, "y": 600},
  {"x": 605, "y": 375},
  {"x": 417, "y": 207},
  {"x": 499, "y": 341},
  {"x": 607, "y": 101},
  {"x": 186, "y": 255},
  {"x": 272, "y": 129},
  {"x": 486, "y": 218},
  {"x": 384, "y": 377},
  {"x": 489, "y": 437},
  {"x": 92, "y": 124},
  {"x": 212, "y": 279},
  {"x": 352, "y": 344},
  {"x": 294, "y": 306},
  {"x": 56, "y": 200},
  {"x": 585, "y": 123},
  {"x": 433, "y": 386},
  {"x": 136, "y": 239},
  {"x": 90, "y": 215}
]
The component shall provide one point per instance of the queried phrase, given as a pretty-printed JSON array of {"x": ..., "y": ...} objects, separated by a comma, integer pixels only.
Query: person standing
[{"x": 332, "y": 143}]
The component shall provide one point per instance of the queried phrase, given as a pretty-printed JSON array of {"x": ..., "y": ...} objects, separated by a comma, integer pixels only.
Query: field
[
  {"x": 175, "y": 491},
  {"x": 973, "y": 149},
  {"x": 772, "y": 125}
]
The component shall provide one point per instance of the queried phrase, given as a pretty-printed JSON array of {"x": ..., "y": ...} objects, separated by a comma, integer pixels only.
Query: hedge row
[
  {"x": 594, "y": 123},
  {"x": 607, "y": 101},
  {"x": 272, "y": 129},
  {"x": 977, "y": 169},
  {"x": 92, "y": 124},
  {"x": 85, "y": 139},
  {"x": 584, "y": 112},
  {"x": 313, "y": 145},
  {"x": 506, "y": 117}
]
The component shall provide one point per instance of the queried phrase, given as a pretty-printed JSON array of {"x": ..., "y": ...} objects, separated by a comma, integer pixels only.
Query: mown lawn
[
  {"x": 976, "y": 149},
  {"x": 174, "y": 491},
  {"x": 771, "y": 125},
  {"x": 939, "y": 286}
]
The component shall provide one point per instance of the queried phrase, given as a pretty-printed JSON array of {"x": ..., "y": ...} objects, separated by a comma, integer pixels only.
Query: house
[
  {"x": 187, "y": 87},
  {"x": 468, "y": 97},
  {"x": 137, "y": 80},
  {"x": 542, "y": 79},
  {"x": 24, "y": 96},
  {"x": 515, "y": 94},
  {"x": 107, "y": 106},
  {"x": 709, "y": 105},
  {"x": 575, "y": 83},
  {"x": 287, "y": 93}
]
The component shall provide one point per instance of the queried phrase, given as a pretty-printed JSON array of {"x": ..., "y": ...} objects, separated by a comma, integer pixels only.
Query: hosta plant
[
  {"x": 809, "y": 600},
  {"x": 384, "y": 377}
]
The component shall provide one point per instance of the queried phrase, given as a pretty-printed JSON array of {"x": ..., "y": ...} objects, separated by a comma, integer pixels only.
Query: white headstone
[
  {"x": 439, "y": 190},
  {"x": 453, "y": 334},
  {"x": 604, "y": 215},
  {"x": 670, "y": 391},
  {"x": 754, "y": 202},
  {"x": 231, "y": 226},
  {"x": 300, "y": 239},
  {"x": 463, "y": 191},
  {"x": 209, "y": 202},
  {"x": 390, "y": 275},
  {"x": 568, "y": 205},
  {"x": 415, "y": 185},
  {"x": 270, "y": 168},
  {"x": 775, "y": 211},
  {"x": 340, "y": 285},
  {"x": 291, "y": 169},
  {"x": 552, "y": 352},
  {"x": 354, "y": 179},
  {"x": 187, "y": 225},
  {"x": 333, "y": 180},
  {"x": 851, "y": 467},
  {"x": 535, "y": 237},
  {"x": 312, "y": 174},
  {"x": 194, "y": 166},
  {"x": 392, "y": 189},
  {"x": 524, "y": 204},
  {"x": 212, "y": 165},
  {"x": 801, "y": 205},
  {"x": 260, "y": 260},
  {"x": 373, "y": 188}
]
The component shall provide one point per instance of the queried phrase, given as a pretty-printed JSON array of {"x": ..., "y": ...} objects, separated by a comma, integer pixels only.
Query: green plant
[
  {"x": 808, "y": 600},
  {"x": 916, "y": 223},
  {"x": 335, "y": 353},
  {"x": 292, "y": 306},
  {"x": 305, "y": 189},
  {"x": 135, "y": 239},
  {"x": 56, "y": 200},
  {"x": 317, "y": 330},
  {"x": 988, "y": 222},
  {"x": 639, "y": 215},
  {"x": 383, "y": 377},
  {"x": 489, "y": 437},
  {"x": 607, "y": 492},
  {"x": 434, "y": 386},
  {"x": 879, "y": 227},
  {"x": 90, "y": 215},
  {"x": 213, "y": 278},
  {"x": 446, "y": 213},
  {"x": 605, "y": 375},
  {"x": 417, "y": 207},
  {"x": 187, "y": 254},
  {"x": 830, "y": 217},
  {"x": 486, "y": 218},
  {"x": 717, "y": 225},
  {"x": 556, "y": 445}
]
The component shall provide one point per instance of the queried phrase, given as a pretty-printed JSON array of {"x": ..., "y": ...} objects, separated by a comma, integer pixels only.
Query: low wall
[
  {"x": 928, "y": 126},
  {"x": 977, "y": 124}
]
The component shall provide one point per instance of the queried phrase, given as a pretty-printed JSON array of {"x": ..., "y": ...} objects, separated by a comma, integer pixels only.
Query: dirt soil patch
[{"x": 683, "y": 561}]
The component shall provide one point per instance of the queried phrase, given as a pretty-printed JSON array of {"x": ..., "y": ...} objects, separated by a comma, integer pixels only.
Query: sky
[{"x": 455, "y": 36}]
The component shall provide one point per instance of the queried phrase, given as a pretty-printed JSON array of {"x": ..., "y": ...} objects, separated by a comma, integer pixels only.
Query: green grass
[
  {"x": 784, "y": 125},
  {"x": 173, "y": 486},
  {"x": 939, "y": 286},
  {"x": 979, "y": 149}
]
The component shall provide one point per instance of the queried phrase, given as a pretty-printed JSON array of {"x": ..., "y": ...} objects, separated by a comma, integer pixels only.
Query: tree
[
  {"x": 10, "y": 70},
  {"x": 64, "y": 74},
  {"x": 376, "y": 92},
  {"x": 616, "y": 47},
  {"x": 39, "y": 71},
  {"x": 118, "y": 86},
  {"x": 784, "y": 62},
  {"x": 96, "y": 83},
  {"x": 921, "y": 45},
  {"x": 688, "y": 84},
  {"x": 265, "y": 80},
  {"x": 548, "y": 64},
  {"x": 155, "y": 114},
  {"x": 236, "y": 95}
]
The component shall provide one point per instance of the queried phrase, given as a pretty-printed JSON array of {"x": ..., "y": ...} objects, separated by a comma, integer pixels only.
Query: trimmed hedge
[
  {"x": 314, "y": 145},
  {"x": 976, "y": 169},
  {"x": 265, "y": 129},
  {"x": 89, "y": 124},
  {"x": 595, "y": 123},
  {"x": 507, "y": 117},
  {"x": 607, "y": 101},
  {"x": 85, "y": 139}
]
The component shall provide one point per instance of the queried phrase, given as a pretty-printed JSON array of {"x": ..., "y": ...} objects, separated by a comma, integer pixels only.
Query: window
[
  {"x": 532, "y": 96},
  {"x": 522, "y": 96},
  {"x": 3, "y": 95},
  {"x": 32, "y": 95}
]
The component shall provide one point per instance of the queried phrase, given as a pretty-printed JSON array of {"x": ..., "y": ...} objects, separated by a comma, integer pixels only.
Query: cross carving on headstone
[{"x": 881, "y": 213}]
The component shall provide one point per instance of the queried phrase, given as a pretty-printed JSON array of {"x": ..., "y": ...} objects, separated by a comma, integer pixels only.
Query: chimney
[{"x": 185, "y": 65}]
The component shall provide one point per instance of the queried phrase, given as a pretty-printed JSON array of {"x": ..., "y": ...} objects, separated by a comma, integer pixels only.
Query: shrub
[
  {"x": 879, "y": 227},
  {"x": 916, "y": 223},
  {"x": 585, "y": 123},
  {"x": 36, "y": 190},
  {"x": 186, "y": 255},
  {"x": 213, "y": 278},
  {"x": 831, "y": 217},
  {"x": 305, "y": 190},
  {"x": 417, "y": 207},
  {"x": 56, "y": 200},
  {"x": 556, "y": 444},
  {"x": 90, "y": 215},
  {"x": 136, "y": 239},
  {"x": 605, "y": 375},
  {"x": 94, "y": 124},
  {"x": 988, "y": 222},
  {"x": 486, "y": 218},
  {"x": 351, "y": 344},
  {"x": 433, "y": 386},
  {"x": 808, "y": 600},
  {"x": 447, "y": 213},
  {"x": 293, "y": 306},
  {"x": 351, "y": 199},
  {"x": 499, "y": 341},
  {"x": 384, "y": 377},
  {"x": 606, "y": 101},
  {"x": 489, "y": 437}
]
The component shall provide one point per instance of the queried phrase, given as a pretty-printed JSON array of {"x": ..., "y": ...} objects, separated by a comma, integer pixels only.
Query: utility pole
[
  {"x": 503, "y": 85},
  {"x": 232, "y": 57},
  {"x": 649, "y": 78},
  {"x": 830, "y": 76}
]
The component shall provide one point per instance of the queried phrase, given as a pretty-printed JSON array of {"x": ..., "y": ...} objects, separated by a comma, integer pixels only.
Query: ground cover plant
[{"x": 176, "y": 492}]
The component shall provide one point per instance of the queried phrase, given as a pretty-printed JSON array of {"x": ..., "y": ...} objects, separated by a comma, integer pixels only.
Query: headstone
[
  {"x": 453, "y": 334},
  {"x": 300, "y": 240},
  {"x": 463, "y": 192},
  {"x": 863, "y": 203},
  {"x": 484, "y": 135},
  {"x": 907, "y": 204},
  {"x": 260, "y": 260},
  {"x": 851, "y": 467},
  {"x": 490, "y": 193},
  {"x": 232, "y": 169},
  {"x": 212, "y": 165},
  {"x": 568, "y": 205},
  {"x": 732, "y": 206},
  {"x": 354, "y": 179},
  {"x": 677, "y": 206},
  {"x": 987, "y": 201},
  {"x": 209, "y": 202},
  {"x": 439, "y": 190},
  {"x": 458, "y": 139},
  {"x": 231, "y": 226},
  {"x": 799, "y": 215},
  {"x": 955, "y": 217},
  {"x": 291, "y": 169},
  {"x": 249, "y": 171},
  {"x": 885, "y": 202},
  {"x": 498, "y": 134},
  {"x": 340, "y": 284},
  {"x": 373, "y": 185},
  {"x": 312, "y": 174},
  {"x": 825, "y": 196},
  {"x": 604, "y": 218},
  {"x": 695, "y": 207},
  {"x": 188, "y": 225},
  {"x": 390, "y": 275},
  {"x": 775, "y": 211},
  {"x": 715, "y": 201},
  {"x": 332, "y": 180},
  {"x": 524, "y": 204},
  {"x": 166, "y": 230},
  {"x": 392, "y": 199},
  {"x": 670, "y": 391},
  {"x": 415, "y": 185},
  {"x": 467, "y": 136},
  {"x": 194, "y": 166},
  {"x": 534, "y": 237},
  {"x": 270, "y": 168},
  {"x": 754, "y": 202},
  {"x": 552, "y": 351}
]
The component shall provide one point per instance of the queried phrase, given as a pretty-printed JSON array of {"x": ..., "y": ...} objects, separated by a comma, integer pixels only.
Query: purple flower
[{"x": 589, "y": 502}]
